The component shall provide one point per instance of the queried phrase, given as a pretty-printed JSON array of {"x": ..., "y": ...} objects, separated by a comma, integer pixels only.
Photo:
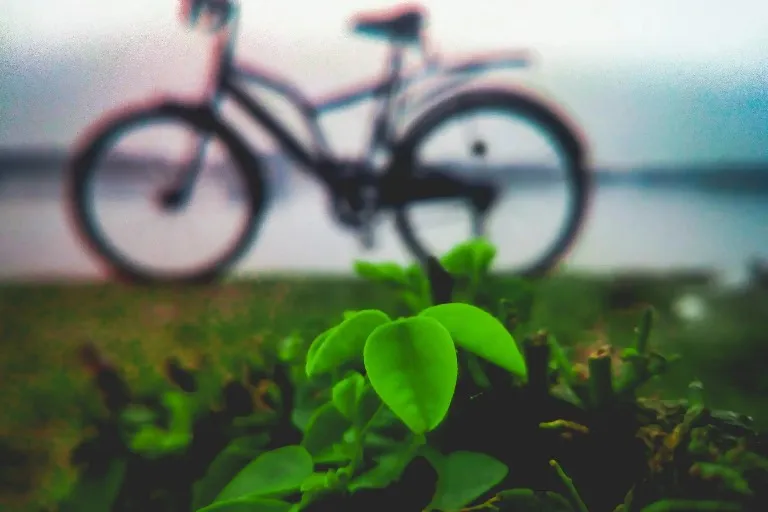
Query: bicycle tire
[
  {"x": 568, "y": 143},
  {"x": 83, "y": 166}
]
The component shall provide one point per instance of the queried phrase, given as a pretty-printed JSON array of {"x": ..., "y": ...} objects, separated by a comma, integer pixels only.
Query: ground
[{"x": 721, "y": 336}]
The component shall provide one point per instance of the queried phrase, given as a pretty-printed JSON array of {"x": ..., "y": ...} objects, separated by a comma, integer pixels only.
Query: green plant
[
  {"x": 462, "y": 272},
  {"x": 437, "y": 410},
  {"x": 174, "y": 448},
  {"x": 386, "y": 373},
  {"x": 410, "y": 371}
]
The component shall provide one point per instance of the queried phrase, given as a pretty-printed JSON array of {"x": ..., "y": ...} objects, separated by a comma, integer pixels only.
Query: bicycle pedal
[
  {"x": 367, "y": 236},
  {"x": 478, "y": 226},
  {"x": 367, "y": 240}
]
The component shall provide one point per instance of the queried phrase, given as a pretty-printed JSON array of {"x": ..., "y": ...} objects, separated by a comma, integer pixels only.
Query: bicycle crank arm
[{"x": 439, "y": 185}]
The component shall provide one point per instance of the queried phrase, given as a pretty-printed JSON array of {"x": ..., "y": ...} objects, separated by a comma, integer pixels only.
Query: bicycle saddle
[{"x": 401, "y": 26}]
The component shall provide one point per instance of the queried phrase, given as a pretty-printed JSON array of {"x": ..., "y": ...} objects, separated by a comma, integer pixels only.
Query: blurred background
[{"x": 671, "y": 97}]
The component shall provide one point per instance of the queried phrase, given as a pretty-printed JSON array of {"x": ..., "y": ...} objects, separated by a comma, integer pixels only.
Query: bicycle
[{"x": 360, "y": 190}]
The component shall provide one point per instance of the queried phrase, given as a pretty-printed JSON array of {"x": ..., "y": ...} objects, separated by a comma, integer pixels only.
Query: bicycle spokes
[
  {"x": 499, "y": 178},
  {"x": 168, "y": 213}
]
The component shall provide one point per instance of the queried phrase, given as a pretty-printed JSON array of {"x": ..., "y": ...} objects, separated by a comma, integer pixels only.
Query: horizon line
[{"x": 28, "y": 154}]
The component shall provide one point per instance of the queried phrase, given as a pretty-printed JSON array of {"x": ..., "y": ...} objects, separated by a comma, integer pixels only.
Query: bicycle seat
[{"x": 401, "y": 26}]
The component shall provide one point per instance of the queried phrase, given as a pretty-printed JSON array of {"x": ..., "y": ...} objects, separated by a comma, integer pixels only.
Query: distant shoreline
[{"x": 722, "y": 176}]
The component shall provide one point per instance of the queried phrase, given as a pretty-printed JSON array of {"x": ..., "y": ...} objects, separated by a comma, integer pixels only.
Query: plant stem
[
  {"x": 360, "y": 445},
  {"x": 644, "y": 332},
  {"x": 536, "y": 350},
  {"x": 476, "y": 370},
  {"x": 696, "y": 394},
  {"x": 600, "y": 379},
  {"x": 635, "y": 372},
  {"x": 490, "y": 504},
  {"x": 573, "y": 493},
  {"x": 440, "y": 281},
  {"x": 508, "y": 315},
  {"x": 563, "y": 363},
  {"x": 564, "y": 425}
]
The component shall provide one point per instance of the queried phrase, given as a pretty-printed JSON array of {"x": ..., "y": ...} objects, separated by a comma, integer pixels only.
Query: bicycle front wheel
[
  {"x": 531, "y": 158},
  {"x": 120, "y": 183}
]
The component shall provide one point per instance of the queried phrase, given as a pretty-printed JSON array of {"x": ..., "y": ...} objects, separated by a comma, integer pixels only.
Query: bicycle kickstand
[{"x": 367, "y": 227}]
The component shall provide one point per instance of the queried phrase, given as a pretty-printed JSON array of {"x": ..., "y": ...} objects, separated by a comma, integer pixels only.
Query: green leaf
[
  {"x": 290, "y": 348},
  {"x": 227, "y": 464},
  {"x": 341, "y": 453},
  {"x": 412, "y": 365},
  {"x": 414, "y": 301},
  {"x": 347, "y": 392},
  {"x": 388, "y": 469},
  {"x": 417, "y": 280},
  {"x": 479, "y": 332},
  {"x": 136, "y": 415},
  {"x": 96, "y": 493},
  {"x": 326, "y": 428},
  {"x": 276, "y": 471},
  {"x": 416, "y": 294},
  {"x": 472, "y": 258},
  {"x": 314, "y": 482},
  {"x": 416, "y": 277},
  {"x": 366, "y": 407},
  {"x": 180, "y": 408},
  {"x": 248, "y": 504},
  {"x": 463, "y": 477},
  {"x": 153, "y": 441},
  {"x": 318, "y": 342},
  {"x": 300, "y": 417},
  {"x": 385, "y": 272},
  {"x": 345, "y": 343},
  {"x": 458, "y": 261},
  {"x": 484, "y": 253}
]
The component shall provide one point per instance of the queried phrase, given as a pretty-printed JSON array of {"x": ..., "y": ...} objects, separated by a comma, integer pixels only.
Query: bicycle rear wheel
[
  {"x": 121, "y": 170},
  {"x": 540, "y": 195}
]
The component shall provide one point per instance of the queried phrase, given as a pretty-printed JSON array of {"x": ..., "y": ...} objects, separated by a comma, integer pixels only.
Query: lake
[{"x": 629, "y": 227}]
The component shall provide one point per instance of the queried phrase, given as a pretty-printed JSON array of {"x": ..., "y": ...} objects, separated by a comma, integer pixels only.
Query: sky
[{"x": 648, "y": 81}]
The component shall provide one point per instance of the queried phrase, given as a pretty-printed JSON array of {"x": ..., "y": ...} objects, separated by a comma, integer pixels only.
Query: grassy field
[{"x": 41, "y": 327}]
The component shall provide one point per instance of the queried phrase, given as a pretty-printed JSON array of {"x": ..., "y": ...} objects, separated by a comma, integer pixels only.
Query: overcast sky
[{"x": 650, "y": 81}]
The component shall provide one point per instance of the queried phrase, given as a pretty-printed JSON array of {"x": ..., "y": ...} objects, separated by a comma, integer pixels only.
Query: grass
[{"x": 42, "y": 325}]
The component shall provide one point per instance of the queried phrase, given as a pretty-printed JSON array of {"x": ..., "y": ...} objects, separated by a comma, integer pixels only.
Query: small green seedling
[
  {"x": 406, "y": 370},
  {"x": 472, "y": 259},
  {"x": 343, "y": 343},
  {"x": 469, "y": 261},
  {"x": 411, "y": 362}
]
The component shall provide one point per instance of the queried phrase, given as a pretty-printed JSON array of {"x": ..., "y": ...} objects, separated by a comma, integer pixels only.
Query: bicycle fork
[
  {"x": 482, "y": 200},
  {"x": 179, "y": 191},
  {"x": 177, "y": 194}
]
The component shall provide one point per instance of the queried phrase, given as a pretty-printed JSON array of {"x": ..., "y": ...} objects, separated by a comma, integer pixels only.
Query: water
[{"x": 628, "y": 227}]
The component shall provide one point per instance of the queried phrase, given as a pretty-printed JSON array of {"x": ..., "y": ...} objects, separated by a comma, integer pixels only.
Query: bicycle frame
[{"x": 320, "y": 159}]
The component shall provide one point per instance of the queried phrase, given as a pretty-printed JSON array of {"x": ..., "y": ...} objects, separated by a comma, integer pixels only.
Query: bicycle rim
[
  {"x": 535, "y": 161},
  {"x": 115, "y": 185}
]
